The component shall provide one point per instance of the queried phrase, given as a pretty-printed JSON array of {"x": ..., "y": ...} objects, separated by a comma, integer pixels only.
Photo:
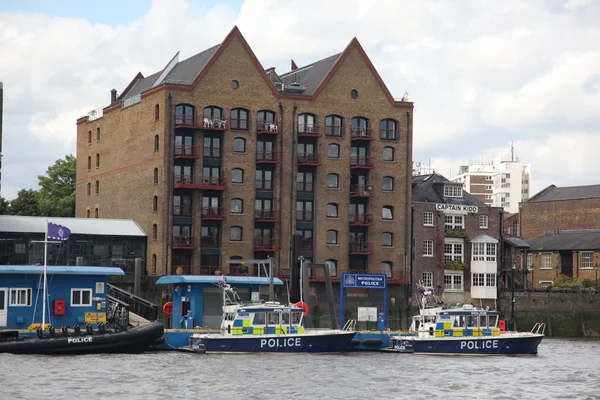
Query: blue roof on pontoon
[
  {"x": 244, "y": 280},
  {"x": 60, "y": 270}
]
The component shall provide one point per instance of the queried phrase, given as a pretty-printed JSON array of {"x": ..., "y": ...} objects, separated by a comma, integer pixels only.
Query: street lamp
[{"x": 596, "y": 268}]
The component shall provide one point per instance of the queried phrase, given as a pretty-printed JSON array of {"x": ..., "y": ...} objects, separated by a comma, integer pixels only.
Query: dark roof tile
[{"x": 567, "y": 240}]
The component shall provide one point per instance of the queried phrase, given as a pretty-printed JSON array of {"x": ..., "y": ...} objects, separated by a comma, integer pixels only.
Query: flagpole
[{"x": 45, "y": 273}]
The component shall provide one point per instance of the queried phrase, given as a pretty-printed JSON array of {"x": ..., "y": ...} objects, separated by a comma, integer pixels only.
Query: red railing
[
  {"x": 266, "y": 244},
  {"x": 263, "y": 184},
  {"x": 203, "y": 183},
  {"x": 361, "y": 162},
  {"x": 305, "y": 186},
  {"x": 334, "y": 130},
  {"x": 267, "y": 157},
  {"x": 212, "y": 152},
  {"x": 306, "y": 244},
  {"x": 186, "y": 121},
  {"x": 266, "y": 215},
  {"x": 213, "y": 213},
  {"x": 361, "y": 219},
  {"x": 361, "y": 248},
  {"x": 304, "y": 215},
  {"x": 214, "y": 124},
  {"x": 361, "y": 133},
  {"x": 217, "y": 270},
  {"x": 361, "y": 190},
  {"x": 185, "y": 210},
  {"x": 186, "y": 151},
  {"x": 310, "y": 130},
  {"x": 184, "y": 242},
  {"x": 309, "y": 159},
  {"x": 266, "y": 126},
  {"x": 209, "y": 241}
]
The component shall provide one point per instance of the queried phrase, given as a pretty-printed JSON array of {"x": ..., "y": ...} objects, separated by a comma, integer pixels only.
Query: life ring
[
  {"x": 168, "y": 308},
  {"x": 303, "y": 305}
]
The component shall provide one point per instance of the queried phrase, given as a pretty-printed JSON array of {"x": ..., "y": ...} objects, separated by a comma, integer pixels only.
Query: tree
[
  {"x": 4, "y": 206},
  {"x": 26, "y": 203},
  {"x": 57, "y": 189}
]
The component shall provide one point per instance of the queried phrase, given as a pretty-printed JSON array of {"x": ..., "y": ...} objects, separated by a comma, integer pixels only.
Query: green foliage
[
  {"x": 57, "y": 189},
  {"x": 562, "y": 281},
  {"x": 455, "y": 232},
  {"x": 587, "y": 283},
  {"x": 26, "y": 203},
  {"x": 4, "y": 205},
  {"x": 455, "y": 265}
]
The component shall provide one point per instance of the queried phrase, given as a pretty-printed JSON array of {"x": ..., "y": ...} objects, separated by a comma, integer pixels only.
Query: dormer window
[{"x": 453, "y": 191}]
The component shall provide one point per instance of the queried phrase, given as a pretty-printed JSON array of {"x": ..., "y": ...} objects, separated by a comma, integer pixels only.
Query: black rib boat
[{"x": 133, "y": 340}]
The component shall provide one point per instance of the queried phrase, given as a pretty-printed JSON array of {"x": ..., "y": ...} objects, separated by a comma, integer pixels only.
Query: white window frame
[
  {"x": 530, "y": 261},
  {"x": 453, "y": 255},
  {"x": 478, "y": 251},
  {"x": 427, "y": 248},
  {"x": 490, "y": 280},
  {"x": 451, "y": 221},
  {"x": 490, "y": 252},
  {"x": 427, "y": 279},
  {"x": 455, "y": 285},
  {"x": 545, "y": 284},
  {"x": 587, "y": 258},
  {"x": 332, "y": 265},
  {"x": 453, "y": 191},
  {"x": 546, "y": 262},
  {"x": 81, "y": 290},
  {"x": 477, "y": 280},
  {"x": 483, "y": 222},
  {"x": 428, "y": 218},
  {"x": 15, "y": 294}
]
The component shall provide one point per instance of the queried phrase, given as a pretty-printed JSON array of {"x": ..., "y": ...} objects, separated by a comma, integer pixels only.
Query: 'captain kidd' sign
[
  {"x": 375, "y": 281},
  {"x": 457, "y": 208}
]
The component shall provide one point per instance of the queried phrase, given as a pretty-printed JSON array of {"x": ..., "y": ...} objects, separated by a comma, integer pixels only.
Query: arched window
[
  {"x": 236, "y": 234},
  {"x": 156, "y": 143},
  {"x": 97, "y": 187},
  {"x": 333, "y": 181},
  {"x": 89, "y": 163},
  {"x": 387, "y": 239},
  {"x": 154, "y": 256},
  {"x": 387, "y": 129},
  {"x": 332, "y": 237},
  {"x": 88, "y": 213},
  {"x": 97, "y": 134},
  {"x": 184, "y": 114},
  {"x": 360, "y": 128},
  {"x": 307, "y": 124},
  {"x": 386, "y": 268},
  {"x": 97, "y": 160},
  {"x": 156, "y": 112},
  {"x": 332, "y": 210},
  {"x": 155, "y": 204},
  {"x": 239, "y": 145},
  {"x": 89, "y": 138},
  {"x": 387, "y": 213},
  {"x": 213, "y": 112},
  {"x": 237, "y": 206},
  {"x": 156, "y": 176},
  {"x": 388, "y": 153},
  {"x": 89, "y": 189},
  {"x": 333, "y": 151},
  {"x": 334, "y": 126},
  {"x": 388, "y": 184},
  {"x": 154, "y": 232},
  {"x": 332, "y": 265},
  {"x": 265, "y": 121},
  {"x": 96, "y": 212},
  {"x": 237, "y": 175},
  {"x": 239, "y": 119}
]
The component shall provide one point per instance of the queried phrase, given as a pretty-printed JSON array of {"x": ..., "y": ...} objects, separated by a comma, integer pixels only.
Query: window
[
  {"x": 488, "y": 196},
  {"x": 488, "y": 187},
  {"x": 353, "y": 94},
  {"x": 89, "y": 213},
  {"x": 97, "y": 160},
  {"x": 428, "y": 218},
  {"x": 490, "y": 280},
  {"x": 156, "y": 112},
  {"x": 489, "y": 178},
  {"x": 97, "y": 187},
  {"x": 388, "y": 184},
  {"x": 387, "y": 239},
  {"x": 96, "y": 212},
  {"x": 333, "y": 151},
  {"x": 332, "y": 210},
  {"x": 515, "y": 228},
  {"x": 478, "y": 280},
  {"x": 89, "y": 138},
  {"x": 453, "y": 252},
  {"x": 490, "y": 252},
  {"x": 236, "y": 234},
  {"x": 237, "y": 206},
  {"x": 155, "y": 204},
  {"x": 484, "y": 252},
  {"x": 332, "y": 265},
  {"x": 546, "y": 261},
  {"x": 304, "y": 181},
  {"x": 360, "y": 127},
  {"x": 387, "y": 129},
  {"x": 333, "y": 126},
  {"x": 212, "y": 147},
  {"x": 20, "y": 297},
  {"x": 213, "y": 112},
  {"x": 265, "y": 121},
  {"x": 333, "y": 181},
  {"x": 263, "y": 179},
  {"x": 156, "y": 176},
  {"x": 154, "y": 232},
  {"x": 453, "y": 222},
  {"x": 304, "y": 210},
  {"x": 332, "y": 237},
  {"x": 453, "y": 191},
  {"x": 89, "y": 163},
  {"x": 386, "y": 268},
  {"x": 306, "y": 124},
  {"x": 427, "y": 248},
  {"x": 427, "y": 279},
  {"x": 453, "y": 281},
  {"x": 89, "y": 189},
  {"x": 237, "y": 175},
  {"x": 156, "y": 143},
  {"x": 154, "y": 263},
  {"x": 182, "y": 205},
  {"x": 239, "y": 145},
  {"x": 239, "y": 119},
  {"x": 586, "y": 259},
  {"x": 545, "y": 284},
  {"x": 388, "y": 153},
  {"x": 97, "y": 134},
  {"x": 387, "y": 213},
  {"x": 81, "y": 297},
  {"x": 483, "y": 221},
  {"x": 184, "y": 114},
  {"x": 530, "y": 262}
]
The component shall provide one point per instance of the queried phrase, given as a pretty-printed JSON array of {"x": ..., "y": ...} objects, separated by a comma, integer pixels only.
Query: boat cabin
[
  {"x": 457, "y": 322},
  {"x": 76, "y": 295},
  {"x": 260, "y": 319}
]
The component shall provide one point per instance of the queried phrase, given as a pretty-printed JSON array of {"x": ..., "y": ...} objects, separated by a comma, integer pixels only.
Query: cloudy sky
[{"x": 481, "y": 73}]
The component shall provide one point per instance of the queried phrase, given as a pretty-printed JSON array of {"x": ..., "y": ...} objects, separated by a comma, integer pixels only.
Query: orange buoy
[
  {"x": 303, "y": 305},
  {"x": 168, "y": 308}
]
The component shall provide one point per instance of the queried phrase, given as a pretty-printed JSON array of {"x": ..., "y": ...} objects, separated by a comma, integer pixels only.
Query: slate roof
[
  {"x": 82, "y": 226},
  {"x": 311, "y": 76},
  {"x": 552, "y": 193},
  {"x": 516, "y": 242},
  {"x": 483, "y": 238},
  {"x": 430, "y": 189},
  {"x": 588, "y": 239}
]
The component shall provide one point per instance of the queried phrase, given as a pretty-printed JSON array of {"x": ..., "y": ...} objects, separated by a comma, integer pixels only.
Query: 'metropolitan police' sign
[{"x": 364, "y": 281}]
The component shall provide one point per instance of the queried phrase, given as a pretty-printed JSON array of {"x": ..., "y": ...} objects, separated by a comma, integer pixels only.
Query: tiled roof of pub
[
  {"x": 81, "y": 226},
  {"x": 588, "y": 239},
  {"x": 430, "y": 189},
  {"x": 516, "y": 242},
  {"x": 552, "y": 193},
  {"x": 311, "y": 76}
]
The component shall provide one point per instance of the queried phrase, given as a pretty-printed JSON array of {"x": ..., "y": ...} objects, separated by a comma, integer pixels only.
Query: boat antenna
[
  {"x": 287, "y": 288},
  {"x": 301, "y": 258}
]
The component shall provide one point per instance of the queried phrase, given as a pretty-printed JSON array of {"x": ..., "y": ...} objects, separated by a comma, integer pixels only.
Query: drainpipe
[
  {"x": 169, "y": 139},
  {"x": 410, "y": 285},
  {"x": 280, "y": 235},
  {"x": 292, "y": 205},
  {"x": 408, "y": 225}
]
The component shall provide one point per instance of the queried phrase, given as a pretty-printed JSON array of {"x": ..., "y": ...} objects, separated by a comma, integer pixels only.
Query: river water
[{"x": 563, "y": 369}]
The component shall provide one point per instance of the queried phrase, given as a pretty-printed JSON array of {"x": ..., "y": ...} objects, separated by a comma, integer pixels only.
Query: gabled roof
[
  {"x": 552, "y": 193},
  {"x": 311, "y": 76},
  {"x": 81, "y": 226},
  {"x": 588, "y": 239},
  {"x": 430, "y": 189}
]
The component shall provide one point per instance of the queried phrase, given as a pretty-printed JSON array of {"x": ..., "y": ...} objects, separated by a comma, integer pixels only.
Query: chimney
[
  {"x": 113, "y": 96},
  {"x": 294, "y": 66}
]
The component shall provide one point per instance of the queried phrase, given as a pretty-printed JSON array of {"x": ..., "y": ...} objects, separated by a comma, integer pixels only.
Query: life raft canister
[
  {"x": 168, "y": 308},
  {"x": 303, "y": 305}
]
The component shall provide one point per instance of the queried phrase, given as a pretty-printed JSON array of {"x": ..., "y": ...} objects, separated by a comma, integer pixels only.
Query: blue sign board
[{"x": 364, "y": 281}]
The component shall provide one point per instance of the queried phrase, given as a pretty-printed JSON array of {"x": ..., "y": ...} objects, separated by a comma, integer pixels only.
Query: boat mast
[{"x": 45, "y": 276}]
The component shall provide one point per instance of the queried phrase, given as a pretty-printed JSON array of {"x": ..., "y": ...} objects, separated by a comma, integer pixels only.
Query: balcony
[
  {"x": 214, "y": 124},
  {"x": 267, "y": 157},
  {"x": 263, "y": 184},
  {"x": 361, "y": 134},
  {"x": 309, "y": 159},
  {"x": 266, "y": 215},
  {"x": 334, "y": 130},
  {"x": 209, "y": 241},
  {"x": 308, "y": 130},
  {"x": 186, "y": 151},
  {"x": 266, "y": 244},
  {"x": 186, "y": 121},
  {"x": 213, "y": 213},
  {"x": 306, "y": 216},
  {"x": 455, "y": 232},
  {"x": 267, "y": 127},
  {"x": 184, "y": 242},
  {"x": 361, "y": 219},
  {"x": 361, "y": 190},
  {"x": 182, "y": 211},
  {"x": 306, "y": 244},
  {"x": 361, "y": 162},
  {"x": 361, "y": 248},
  {"x": 193, "y": 182}
]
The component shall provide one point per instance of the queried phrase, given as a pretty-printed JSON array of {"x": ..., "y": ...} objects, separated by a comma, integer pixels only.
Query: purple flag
[{"x": 58, "y": 232}]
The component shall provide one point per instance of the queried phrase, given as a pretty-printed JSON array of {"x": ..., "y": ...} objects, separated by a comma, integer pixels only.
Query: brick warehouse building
[
  {"x": 456, "y": 241},
  {"x": 218, "y": 159}
]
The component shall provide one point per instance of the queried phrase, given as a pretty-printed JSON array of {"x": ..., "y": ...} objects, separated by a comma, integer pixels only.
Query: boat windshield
[
  {"x": 273, "y": 318},
  {"x": 296, "y": 317},
  {"x": 259, "y": 318}
]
